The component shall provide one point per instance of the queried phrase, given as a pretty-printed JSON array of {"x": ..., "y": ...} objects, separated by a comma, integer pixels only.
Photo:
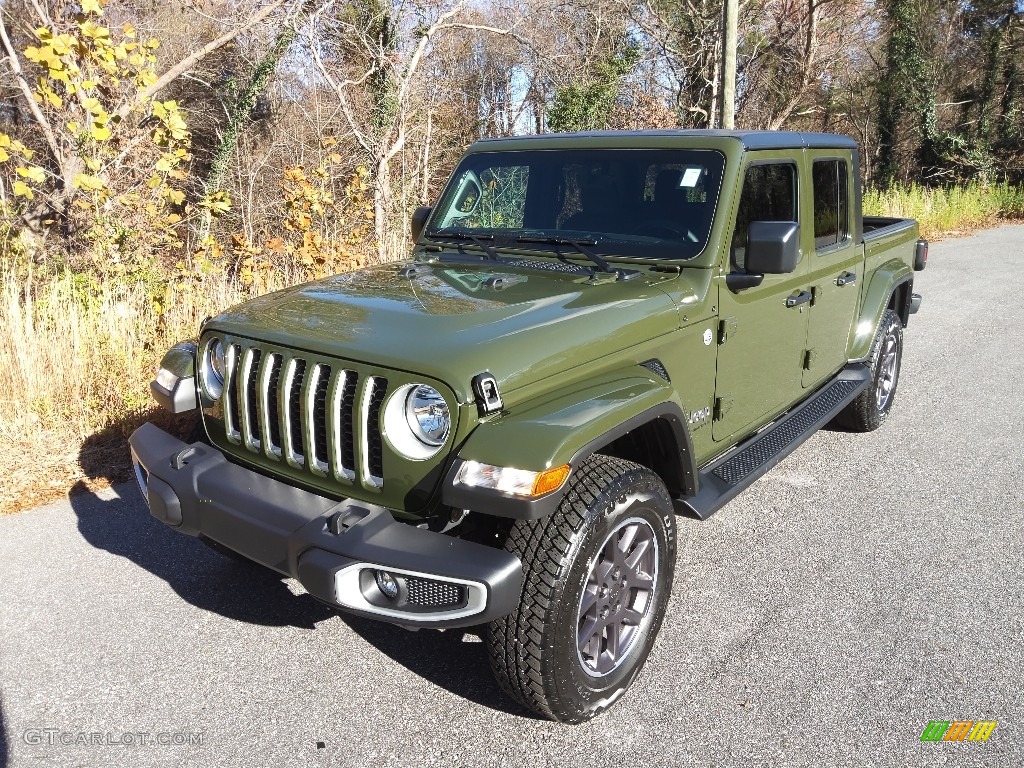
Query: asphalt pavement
[{"x": 866, "y": 586}]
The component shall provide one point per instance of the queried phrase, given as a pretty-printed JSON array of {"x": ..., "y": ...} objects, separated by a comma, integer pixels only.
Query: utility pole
[{"x": 731, "y": 11}]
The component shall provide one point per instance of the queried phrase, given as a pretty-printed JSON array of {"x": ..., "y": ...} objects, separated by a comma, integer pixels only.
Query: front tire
[
  {"x": 871, "y": 407},
  {"x": 598, "y": 573}
]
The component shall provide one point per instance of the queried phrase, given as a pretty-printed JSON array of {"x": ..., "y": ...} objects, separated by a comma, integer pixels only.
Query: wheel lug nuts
[{"x": 604, "y": 613}]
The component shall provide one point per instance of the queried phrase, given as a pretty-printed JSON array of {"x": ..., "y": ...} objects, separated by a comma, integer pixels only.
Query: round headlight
[
  {"x": 217, "y": 359},
  {"x": 428, "y": 416},
  {"x": 212, "y": 369}
]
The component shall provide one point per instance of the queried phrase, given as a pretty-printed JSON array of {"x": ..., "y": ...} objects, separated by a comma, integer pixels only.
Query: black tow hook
[{"x": 180, "y": 459}]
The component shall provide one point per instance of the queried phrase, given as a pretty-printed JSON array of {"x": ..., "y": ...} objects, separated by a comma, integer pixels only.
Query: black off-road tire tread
[
  {"x": 515, "y": 642},
  {"x": 862, "y": 415}
]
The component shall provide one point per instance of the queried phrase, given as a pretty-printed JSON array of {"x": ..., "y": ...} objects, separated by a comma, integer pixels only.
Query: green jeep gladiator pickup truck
[{"x": 593, "y": 334}]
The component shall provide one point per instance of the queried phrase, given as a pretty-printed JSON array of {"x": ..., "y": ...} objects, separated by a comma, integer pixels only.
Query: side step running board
[{"x": 724, "y": 478}]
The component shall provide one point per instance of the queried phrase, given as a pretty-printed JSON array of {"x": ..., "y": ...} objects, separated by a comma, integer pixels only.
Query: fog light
[{"x": 386, "y": 584}]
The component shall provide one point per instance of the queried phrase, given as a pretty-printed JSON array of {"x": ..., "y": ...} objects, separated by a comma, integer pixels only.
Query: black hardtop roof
[{"x": 749, "y": 139}]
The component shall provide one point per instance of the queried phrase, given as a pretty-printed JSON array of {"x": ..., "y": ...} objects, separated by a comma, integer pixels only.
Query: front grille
[
  {"x": 297, "y": 374},
  {"x": 434, "y": 594},
  {"x": 317, "y": 417},
  {"x": 375, "y": 448}
]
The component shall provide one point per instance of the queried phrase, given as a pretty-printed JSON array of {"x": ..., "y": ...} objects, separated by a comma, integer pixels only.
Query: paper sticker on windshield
[{"x": 691, "y": 176}]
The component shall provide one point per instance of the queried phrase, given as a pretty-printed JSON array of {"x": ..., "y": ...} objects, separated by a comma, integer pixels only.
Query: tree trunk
[
  {"x": 729, "y": 28},
  {"x": 987, "y": 99},
  {"x": 239, "y": 118},
  {"x": 382, "y": 200},
  {"x": 899, "y": 89},
  {"x": 425, "y": 187},
  {"x": 1010, "y": 126},
  {"x": 712, "y": 119}
]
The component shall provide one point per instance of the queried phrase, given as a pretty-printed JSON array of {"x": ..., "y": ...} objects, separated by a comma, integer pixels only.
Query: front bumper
[{"x": 333, "y": 548}]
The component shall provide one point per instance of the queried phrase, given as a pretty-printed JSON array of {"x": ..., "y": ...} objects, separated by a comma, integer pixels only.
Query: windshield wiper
[
  {"x": 459, "y": 234},
  {"x": 579, "y": 245}
]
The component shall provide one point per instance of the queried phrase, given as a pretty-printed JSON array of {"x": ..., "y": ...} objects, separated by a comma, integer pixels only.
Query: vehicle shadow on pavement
[
  {"x": 250, "y": 593},
  {"x": 4, "y": 746},
  {"x": 236, "y": 590},
  {"x": 455, "y": 660}
]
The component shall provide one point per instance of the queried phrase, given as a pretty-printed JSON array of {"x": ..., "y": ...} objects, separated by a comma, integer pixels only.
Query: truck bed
[
  {"x": 886, "y": 238},
  {"x": 879, "y": 226}
]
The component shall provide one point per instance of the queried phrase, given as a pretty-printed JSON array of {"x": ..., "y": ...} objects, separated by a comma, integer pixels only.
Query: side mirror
[
  {"x": 773, "y": 247},
  {"x": 419, "y": 219}
]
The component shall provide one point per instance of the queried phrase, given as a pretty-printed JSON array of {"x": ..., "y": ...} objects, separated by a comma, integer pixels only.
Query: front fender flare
[{"x": 566, "y": 429}]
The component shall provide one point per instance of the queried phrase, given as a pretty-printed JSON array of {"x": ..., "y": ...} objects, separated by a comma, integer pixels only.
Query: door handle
[
  {"x": 847, "y": 278},
  {"x": 800, "y": 298}
]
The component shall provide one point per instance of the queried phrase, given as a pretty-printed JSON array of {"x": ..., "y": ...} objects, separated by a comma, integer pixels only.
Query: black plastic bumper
[
  {"x": 331, "y": 547},
  {"x": 915, "y": 303}
]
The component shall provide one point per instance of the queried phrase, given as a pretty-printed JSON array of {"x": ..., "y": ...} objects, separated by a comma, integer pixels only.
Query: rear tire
[
  {"x": 598, "y": 573},
  {"x": 871, "y": 407}
]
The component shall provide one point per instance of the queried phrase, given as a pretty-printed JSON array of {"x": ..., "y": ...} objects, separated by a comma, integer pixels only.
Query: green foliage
[
  {"x": 1009, "y": 200},
  {"x": 13, "y": 253},
  {"x": 243, "y": 106},
  {"x": 905, "y": 100},
  {"x": 380, "y": 22},
  {"x": 587, "y": 107}
]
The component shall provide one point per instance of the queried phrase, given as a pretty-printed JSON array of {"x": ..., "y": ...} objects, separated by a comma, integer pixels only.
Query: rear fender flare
[{"x": 884, "y": 282}]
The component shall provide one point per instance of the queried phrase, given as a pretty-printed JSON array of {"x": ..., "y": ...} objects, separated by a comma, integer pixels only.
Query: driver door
[{"x": 761, "y": 330}]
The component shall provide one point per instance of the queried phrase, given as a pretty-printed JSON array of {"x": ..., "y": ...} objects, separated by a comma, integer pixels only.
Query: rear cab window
[{"x": 830, "y": 181}]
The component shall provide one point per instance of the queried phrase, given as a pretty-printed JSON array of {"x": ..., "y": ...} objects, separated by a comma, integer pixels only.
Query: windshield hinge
[
  {"x": 722, "y": 406},
  {"x": 727, "y": 329}
]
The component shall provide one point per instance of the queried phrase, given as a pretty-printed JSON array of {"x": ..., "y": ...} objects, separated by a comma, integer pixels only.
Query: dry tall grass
[
  {"x": 75, "y": 362},
  {"x": 944, "y": 211}
]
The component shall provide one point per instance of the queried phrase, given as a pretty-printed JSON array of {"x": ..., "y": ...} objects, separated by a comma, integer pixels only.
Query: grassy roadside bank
[
  {"x": 76, "y": 357},
  {"x": 76, "y": 360}
]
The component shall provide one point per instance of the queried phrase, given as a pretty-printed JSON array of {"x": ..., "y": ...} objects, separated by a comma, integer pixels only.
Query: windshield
[{"x": 642, "y": 203}]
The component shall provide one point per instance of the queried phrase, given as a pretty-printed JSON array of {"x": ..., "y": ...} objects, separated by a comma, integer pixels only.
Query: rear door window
[{"x": 831, "y": 203}]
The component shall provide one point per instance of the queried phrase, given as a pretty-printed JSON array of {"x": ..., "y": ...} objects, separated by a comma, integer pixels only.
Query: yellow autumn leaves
[
  {"x": 118, "y": 163},
  {"x": 10, "y": 149},
  {"x": 323, "y": 234}
]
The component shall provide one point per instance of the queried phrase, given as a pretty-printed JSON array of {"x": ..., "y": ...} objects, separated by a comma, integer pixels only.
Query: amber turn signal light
[{"x": 550, "y": 480}]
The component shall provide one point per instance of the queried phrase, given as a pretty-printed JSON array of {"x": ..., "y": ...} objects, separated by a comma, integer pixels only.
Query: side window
[
  {"x": 831, "y": 203},
  {"x": 769, "y": 194}
]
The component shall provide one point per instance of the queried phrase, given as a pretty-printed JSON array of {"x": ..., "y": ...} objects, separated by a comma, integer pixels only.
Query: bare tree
[{"x": 371, "y": 54}]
